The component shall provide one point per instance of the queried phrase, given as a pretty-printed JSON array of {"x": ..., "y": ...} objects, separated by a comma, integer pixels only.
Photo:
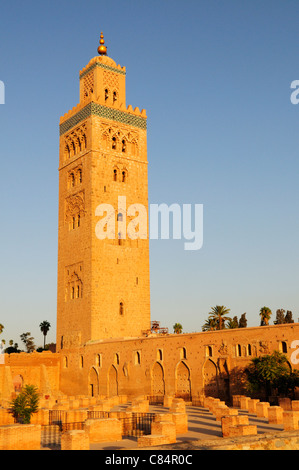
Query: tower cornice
[
  {"x": 103, "y": 62},
  {"x": 131, "y": 117}
]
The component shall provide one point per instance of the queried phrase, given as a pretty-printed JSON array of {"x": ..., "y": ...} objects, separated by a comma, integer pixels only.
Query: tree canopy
[
  {"x": 218, "y": 315},
  {"x": 177, "y": 328},
  {"x": 45, "y": 326},
  {"x": 265, "y": 314},
  {"x": 271, "y": 373}
]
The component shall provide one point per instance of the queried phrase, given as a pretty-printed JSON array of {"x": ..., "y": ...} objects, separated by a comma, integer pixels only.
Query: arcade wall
[{"x": 185, "y": 365}]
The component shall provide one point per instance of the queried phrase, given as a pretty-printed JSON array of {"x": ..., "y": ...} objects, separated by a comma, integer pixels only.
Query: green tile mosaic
[
  {"x": 103, "y": 66},
  {"x": 95, "y": 109}
]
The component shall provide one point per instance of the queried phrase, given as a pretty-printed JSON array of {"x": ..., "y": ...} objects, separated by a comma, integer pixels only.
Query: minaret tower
[{"x": 103, "y": 282}]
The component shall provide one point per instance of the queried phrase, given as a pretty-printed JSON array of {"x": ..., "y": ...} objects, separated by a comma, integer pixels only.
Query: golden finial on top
[{"x": 102, "y": 50}]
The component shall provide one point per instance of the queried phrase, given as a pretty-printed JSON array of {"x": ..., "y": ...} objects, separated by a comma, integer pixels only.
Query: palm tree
[
  {"x": 233, "y": 323},
  {"x": 210, "y": 325},
  {"x": 265, "y": 314},
  {"x": 177, "y": 328},
  {"x": 219, "y": 313},
  {"x": 45, "y": 326}
]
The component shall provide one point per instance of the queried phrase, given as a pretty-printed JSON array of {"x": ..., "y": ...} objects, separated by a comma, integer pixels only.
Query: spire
[{"x": 102, "y": 50}]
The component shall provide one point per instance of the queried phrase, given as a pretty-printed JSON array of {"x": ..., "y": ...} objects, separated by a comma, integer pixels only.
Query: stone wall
[
  {"x": 39, "y": 369},
  {"x": 20, "y": 437},
  {"x": 208, "y": 363},
  {"x": 284, "y": 440}
]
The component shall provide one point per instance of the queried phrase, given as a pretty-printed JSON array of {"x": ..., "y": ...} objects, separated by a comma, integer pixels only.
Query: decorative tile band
[
  {"x": 94, "y": 109},
  {"x": 104, "y": 66}
]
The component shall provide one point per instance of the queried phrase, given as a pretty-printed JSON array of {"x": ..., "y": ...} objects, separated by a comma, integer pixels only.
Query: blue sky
[{"x": 214, "y": 77}]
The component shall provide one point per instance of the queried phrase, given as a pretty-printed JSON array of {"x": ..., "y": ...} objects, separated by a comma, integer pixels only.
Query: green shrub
[{"x": 25, "y": 404}]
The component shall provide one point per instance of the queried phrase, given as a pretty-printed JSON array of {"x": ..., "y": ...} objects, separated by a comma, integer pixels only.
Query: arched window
[
  {"x": 123, "y": 146},
  {"x": 123, "y": 176},
  {"x": 183, "y": 353},
  {"x": 249, "y": 351},
  {"x": 67, "y": 152},
  {"x": 113, "y": 143},
  {"x": 78, "y": 292},
  {"x": 73, "y": 293},
  {"x": 72, "y": 178},
  {"x": 17, "y": 382},
  {"x": 116, "y": 359},
  {"x": 80, "y": 175},
  {"x": 83, "y": 143},
  {"x": 72, "y": 149},
  {"x": 78, "y": 145},
  {"x": 120, "y": 240},
  {"x": 98, "y": 360},
  {"x": 106, "y": 94},
  {"x": 133, "y": 148},
  {"x": 121, "y": 308},
  {"x": 114, "y": 97},
  {"x": 284, "y": 347},
  {"x": 74, "y": 222},
  {"x": 209, "y": 351},
  {"x": 115, "y": 174},
  {"x": 78, "y": 222},
  {"x": 239, "y": 350},
  {"x": 137, "y": 358}
]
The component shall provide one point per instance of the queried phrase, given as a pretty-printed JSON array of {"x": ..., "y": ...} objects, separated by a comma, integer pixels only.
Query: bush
[
  {"x": 25, "y": 404},
  {"x": 271, "y": 373}
]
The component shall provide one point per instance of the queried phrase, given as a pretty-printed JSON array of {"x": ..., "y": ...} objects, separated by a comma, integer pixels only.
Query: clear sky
[{"x": 214, "y": 77}]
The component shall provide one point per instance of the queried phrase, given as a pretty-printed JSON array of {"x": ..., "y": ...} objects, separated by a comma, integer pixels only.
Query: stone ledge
[{"x": 281, "y": 440}]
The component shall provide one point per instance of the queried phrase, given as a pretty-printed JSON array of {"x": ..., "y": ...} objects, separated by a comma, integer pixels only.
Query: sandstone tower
[{"x": 103, "y": 284}]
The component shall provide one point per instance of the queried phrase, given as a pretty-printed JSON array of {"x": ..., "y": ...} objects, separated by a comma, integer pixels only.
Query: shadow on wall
[{"x": 220, "y": 382}]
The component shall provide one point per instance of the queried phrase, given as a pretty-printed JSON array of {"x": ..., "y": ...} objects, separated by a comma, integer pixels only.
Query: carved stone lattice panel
[
  {"x": 223, "y": 350},
  {"x": 75, "y": 142},
  {"x": 71, "y": 339},
  {"x": 264, "y": 347},
  {"x": 74, "y": 206},
  {"x": 120, "y": 139},
  {"x": 74, "y": 281},
  {"x": 88, "y": 84},
  {"x": 111, "y": 80}
]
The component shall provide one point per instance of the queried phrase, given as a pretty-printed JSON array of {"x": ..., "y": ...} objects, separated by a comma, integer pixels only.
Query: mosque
[{"x": 106, "y": 342}]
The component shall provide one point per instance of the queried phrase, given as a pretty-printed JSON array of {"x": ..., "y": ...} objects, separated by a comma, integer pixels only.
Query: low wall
[
  {"x": 20, "y": 437},
  {"x": 75, "y": 440},
  {"x": 103, "y": 430},
  {"x": 282, "y": 440}
]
